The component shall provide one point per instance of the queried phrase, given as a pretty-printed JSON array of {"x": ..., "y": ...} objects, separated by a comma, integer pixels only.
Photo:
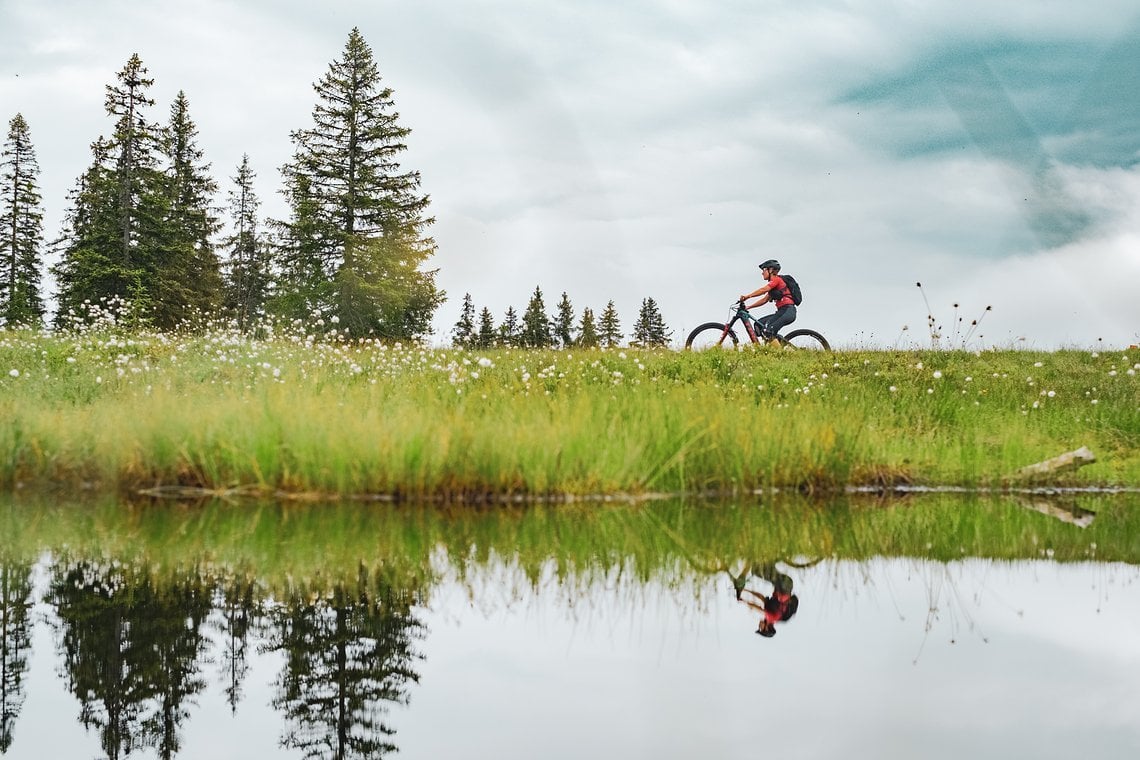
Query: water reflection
[
  {"x": 348, "y": 656},
  {"x": 780, "y": 604},
  {"x": 354, "y": 632},
  {"x": 15, "y": 641},
  {"x": 131, "y": 650}
]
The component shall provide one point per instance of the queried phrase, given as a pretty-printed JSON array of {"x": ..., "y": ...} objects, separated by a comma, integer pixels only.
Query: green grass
[{"x": 119, "y": 412}]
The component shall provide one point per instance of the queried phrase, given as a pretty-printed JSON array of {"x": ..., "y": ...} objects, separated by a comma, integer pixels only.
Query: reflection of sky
[{"x": 1018, "y": 660}]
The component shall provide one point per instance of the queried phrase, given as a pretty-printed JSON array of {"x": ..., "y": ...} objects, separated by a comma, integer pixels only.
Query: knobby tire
[{"x": 706, "y": 336}]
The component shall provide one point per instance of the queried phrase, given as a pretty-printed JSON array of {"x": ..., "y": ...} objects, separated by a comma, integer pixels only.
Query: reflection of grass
[
  {"x": 220, "y": 411},
  {"x": 670, "y": 541}
]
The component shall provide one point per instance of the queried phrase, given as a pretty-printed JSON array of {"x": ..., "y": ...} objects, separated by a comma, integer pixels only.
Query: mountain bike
[{"x": 719, "y": 335}]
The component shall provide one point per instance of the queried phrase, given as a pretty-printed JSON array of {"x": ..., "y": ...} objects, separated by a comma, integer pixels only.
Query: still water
[{"x": 932, "y": 628}]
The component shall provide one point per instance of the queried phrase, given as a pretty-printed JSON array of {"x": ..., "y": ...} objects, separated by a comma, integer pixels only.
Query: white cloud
[{"x": 622, "y": 151}]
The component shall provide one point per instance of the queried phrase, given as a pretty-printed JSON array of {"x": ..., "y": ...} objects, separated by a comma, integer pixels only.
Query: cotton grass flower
[{"x": 14, "y": 372}]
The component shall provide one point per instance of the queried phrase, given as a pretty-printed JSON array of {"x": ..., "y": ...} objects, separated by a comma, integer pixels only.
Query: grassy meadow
[{"x": 113, "y": 410}]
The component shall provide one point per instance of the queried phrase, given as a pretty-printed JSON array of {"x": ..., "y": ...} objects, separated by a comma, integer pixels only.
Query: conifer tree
[
  {"x": 509, "y": 330},
  {"x": 536, "y": 331},
  {"x": 21, "y": 228},
  {"x": 650, "y": 331},
  {"x": 356, "y": 239},
  {"x": 486, "y": 335},
  {"x": 247, "y": 275},
  {"x": 16, "y": 605},
  {"x": 587, "y": 330},
  {"x": 112, "y": 244},
  {"x": 187, "y": 277},
  {"x": 564, "y": 322},
  {"x": 463, "y": 334},
  {"x": 611, "y": 334}
]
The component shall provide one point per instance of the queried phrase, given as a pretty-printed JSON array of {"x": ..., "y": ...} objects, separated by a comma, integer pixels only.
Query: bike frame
[{"x": 741, "y": 315}]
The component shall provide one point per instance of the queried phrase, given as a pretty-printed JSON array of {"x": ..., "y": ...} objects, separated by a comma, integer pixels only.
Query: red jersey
[{"x": 780, "y": 288}]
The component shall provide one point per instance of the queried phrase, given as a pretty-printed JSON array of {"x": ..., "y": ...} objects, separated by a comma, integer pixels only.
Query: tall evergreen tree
[
  {"x": 187, "y": 277},
  {"x": 536, "y": 332},
  {"x": 132, "y": 651},
  {"x": 247, "y": 276},
  {"x": 510, "y": 331},
  {"x": 463, "y": 334},
  {"x": 588, "y": 330},
  {"x": 564, "y": 322},
  {"x": 611, "y": 334},
  {"x": 356, "y": 239},
  {"x": 239, "y": 615},
  {"x": 21, "y": 228},
  {"x": 113, "y": 242},
  {"x": 15, "y": 643},
  {"x": 486, "y": 336},
  {"x": 348, "y": 658},
  {"x": 649, "y": 331}
]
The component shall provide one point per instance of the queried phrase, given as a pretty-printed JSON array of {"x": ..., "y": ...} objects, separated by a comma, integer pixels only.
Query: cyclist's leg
[
  {"x": 781, "y": 319},
  {"x": 764, "y": 331}
]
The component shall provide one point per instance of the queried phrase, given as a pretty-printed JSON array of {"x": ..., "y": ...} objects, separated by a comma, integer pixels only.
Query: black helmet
[{"x": 771, "y": 264}]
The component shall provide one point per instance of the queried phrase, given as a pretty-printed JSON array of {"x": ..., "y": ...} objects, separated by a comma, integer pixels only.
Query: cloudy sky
[{"x": 619, "y": 150}]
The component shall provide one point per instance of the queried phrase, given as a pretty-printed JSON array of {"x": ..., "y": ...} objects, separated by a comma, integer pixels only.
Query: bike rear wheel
[
  {"x": 711, "y": 335},
  {"x": 805, "y": 340}
]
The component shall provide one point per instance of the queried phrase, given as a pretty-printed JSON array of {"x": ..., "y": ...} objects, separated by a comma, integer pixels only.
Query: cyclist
[
  {"x": 775, "y": 291},
  {"x": 778, "y": 607}
]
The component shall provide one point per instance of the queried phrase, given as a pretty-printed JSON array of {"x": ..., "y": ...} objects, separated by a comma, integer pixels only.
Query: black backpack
[{"x": 793, "y": 289}]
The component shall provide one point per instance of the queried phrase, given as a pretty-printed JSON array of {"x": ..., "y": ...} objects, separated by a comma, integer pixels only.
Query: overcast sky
[{"x": 623, "y": 149}]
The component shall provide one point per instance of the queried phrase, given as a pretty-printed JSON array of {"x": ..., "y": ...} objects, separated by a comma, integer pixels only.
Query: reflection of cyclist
[
  {"x": 775, "y": 291},
  {"x": 778, "y": 607}
]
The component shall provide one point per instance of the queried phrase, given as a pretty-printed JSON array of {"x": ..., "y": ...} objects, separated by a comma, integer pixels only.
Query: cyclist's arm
[
  {"x": 763, "y": 299},
  {"x": 760, "y": 291}
]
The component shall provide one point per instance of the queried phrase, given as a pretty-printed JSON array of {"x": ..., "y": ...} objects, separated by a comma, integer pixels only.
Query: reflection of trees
[
  {"x": 15, "y": 642},
  {"x": 131, "y": 651},
  {"x": 239, "y": 612},
  {"x": 348, "y": 655}
]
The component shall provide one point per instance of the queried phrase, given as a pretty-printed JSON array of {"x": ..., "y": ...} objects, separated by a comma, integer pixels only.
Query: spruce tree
[
  {"x": 247, "y": 276},
  {"x": 611, "y": 334},
  {"x": 509, "y": 330},
  {"x": 650, "y": 331},
  {"x": 486, "y": 335},
  {"x": 356, "y": 239},
  {"x": 564, "y": 322},
  {"x": 348, "y": 658},
  {"x": 187, "y": 277},
  {"x": 587, "y": 330},
  {"x": 463, "y": 334},
  {"x": 16, "y": 616},
  {"x": 536, "y": 331},
  {"x": 21, "y": 228},
  {"x": 112, "y": 245}
]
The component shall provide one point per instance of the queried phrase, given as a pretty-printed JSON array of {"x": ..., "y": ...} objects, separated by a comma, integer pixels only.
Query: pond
[{"x": 932, "y": 625}]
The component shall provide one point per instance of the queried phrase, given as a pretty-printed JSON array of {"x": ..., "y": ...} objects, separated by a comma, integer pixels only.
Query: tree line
[
  {"x": 537, "y": 329},
  {"x": 142, "y": 225}
]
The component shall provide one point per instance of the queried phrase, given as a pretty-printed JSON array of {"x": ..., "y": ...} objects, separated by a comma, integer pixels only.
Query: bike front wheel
[
  {"x": 711, "y": 335},
  {"x": 805, "y": 340}
]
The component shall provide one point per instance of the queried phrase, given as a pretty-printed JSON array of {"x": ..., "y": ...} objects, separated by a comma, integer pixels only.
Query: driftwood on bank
[{"x": 1068, "y": 461}]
